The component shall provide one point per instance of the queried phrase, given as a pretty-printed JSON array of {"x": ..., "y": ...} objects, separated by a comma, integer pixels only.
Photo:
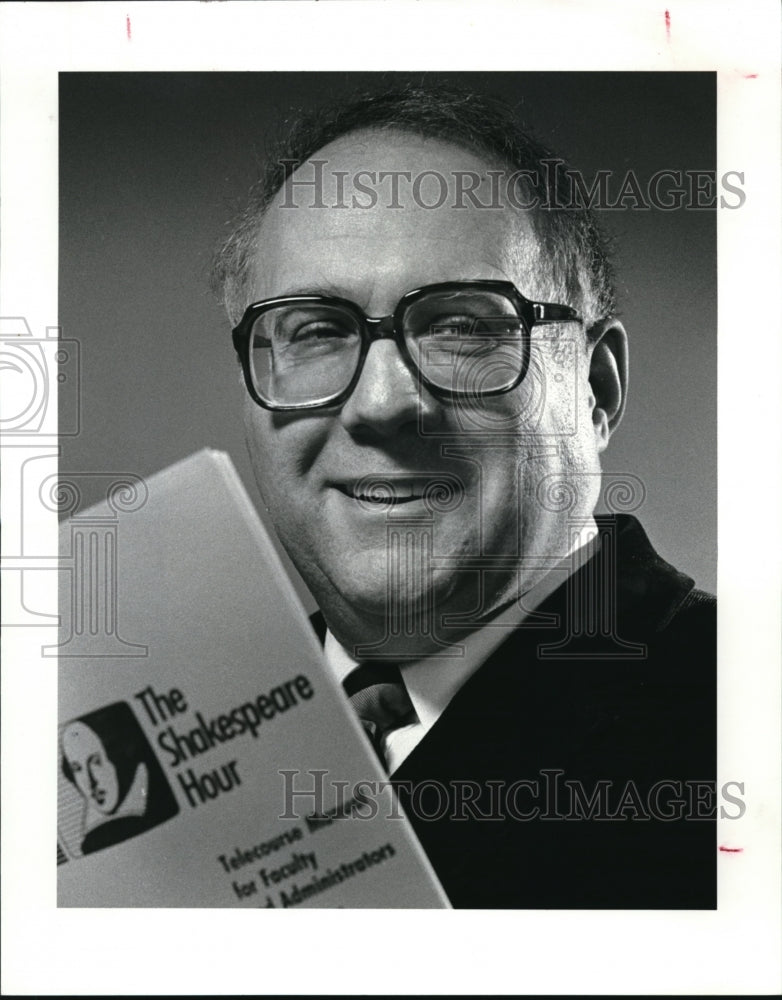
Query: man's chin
[
  {"x": 380, "y": 599},
  {"x": 381, "y": 602}
]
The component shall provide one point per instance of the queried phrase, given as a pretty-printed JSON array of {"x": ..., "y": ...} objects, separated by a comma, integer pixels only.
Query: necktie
[{"x": 380, "y": 699}]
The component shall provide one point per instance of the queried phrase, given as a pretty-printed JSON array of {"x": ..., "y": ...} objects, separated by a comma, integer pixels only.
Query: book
[{"x": 206, "y": 756}]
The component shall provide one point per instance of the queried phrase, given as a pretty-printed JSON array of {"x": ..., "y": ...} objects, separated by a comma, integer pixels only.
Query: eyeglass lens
[{"x": 464, "y": 342}]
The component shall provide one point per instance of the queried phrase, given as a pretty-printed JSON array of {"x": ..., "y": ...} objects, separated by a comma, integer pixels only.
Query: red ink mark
[
  {"x": 127, "y": 25},
  {"x": 668, "y": 24},
  {"x": 750, "y": 76},
  {"x": 731, "y": 850}
]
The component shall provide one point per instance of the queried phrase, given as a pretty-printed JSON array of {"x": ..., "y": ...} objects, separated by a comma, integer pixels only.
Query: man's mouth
[
  {"x": 382, "y": 493},
  {"x": 378, "y": 492}
]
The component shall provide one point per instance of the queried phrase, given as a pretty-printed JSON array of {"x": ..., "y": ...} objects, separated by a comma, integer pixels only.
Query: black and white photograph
[
  {"x": 380, "y": 517},
  {"x": 433, "y": 321}
]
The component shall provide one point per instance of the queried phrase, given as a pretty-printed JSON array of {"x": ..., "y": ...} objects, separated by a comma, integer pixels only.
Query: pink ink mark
[
  {"x": 127, "y": 25},
  {"x": 668, "y": 24},
  {"x": 750, "y": 76},
  {"x": 731, "y": 850}
]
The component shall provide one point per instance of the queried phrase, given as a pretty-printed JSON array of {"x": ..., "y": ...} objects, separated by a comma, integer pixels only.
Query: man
[{"x": 434, "y": 368}]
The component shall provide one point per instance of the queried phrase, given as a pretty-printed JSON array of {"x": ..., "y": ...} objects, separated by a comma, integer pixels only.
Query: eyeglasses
[{"x": 461, "y": 338}]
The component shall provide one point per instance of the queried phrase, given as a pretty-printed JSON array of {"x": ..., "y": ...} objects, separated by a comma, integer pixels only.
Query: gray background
[{"x": 152, "y": 165}]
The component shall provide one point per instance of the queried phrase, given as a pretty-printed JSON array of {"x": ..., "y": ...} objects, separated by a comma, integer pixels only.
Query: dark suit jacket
[{"x": 607, "y": 693}]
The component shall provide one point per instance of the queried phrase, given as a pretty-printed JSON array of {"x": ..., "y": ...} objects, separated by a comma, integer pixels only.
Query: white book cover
[{"x": 205, "y": 754}]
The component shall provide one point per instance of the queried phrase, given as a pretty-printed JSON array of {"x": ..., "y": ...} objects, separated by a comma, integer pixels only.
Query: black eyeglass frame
[{"x": 374, "y": 328}]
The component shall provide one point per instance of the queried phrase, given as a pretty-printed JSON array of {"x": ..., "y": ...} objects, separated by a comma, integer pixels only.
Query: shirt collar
[{"x": 433, "y": 681}]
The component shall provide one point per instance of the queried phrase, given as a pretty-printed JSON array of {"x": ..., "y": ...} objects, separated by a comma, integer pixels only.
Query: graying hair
[{"x": 570, "y": 238}]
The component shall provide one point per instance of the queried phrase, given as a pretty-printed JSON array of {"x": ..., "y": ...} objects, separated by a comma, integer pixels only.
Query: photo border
[{"x": 736, "y": 948}]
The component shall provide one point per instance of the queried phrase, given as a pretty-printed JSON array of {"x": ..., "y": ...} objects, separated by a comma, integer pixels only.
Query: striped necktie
[{"x": 380, "y": 699}]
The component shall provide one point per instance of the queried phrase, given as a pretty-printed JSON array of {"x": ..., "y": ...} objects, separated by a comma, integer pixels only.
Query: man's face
[
  {"x": 498, "y": 453},
  {"x": 93, "y": 772}
]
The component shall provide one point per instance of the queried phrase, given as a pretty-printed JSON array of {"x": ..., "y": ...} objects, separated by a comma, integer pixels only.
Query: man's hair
[{"x": 569, "y": 237}]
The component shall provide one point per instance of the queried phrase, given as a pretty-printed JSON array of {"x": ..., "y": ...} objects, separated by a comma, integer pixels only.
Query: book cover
[{"x": 205, "y": 755}]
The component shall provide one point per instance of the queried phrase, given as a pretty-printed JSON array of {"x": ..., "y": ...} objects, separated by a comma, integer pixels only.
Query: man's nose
[{"x": 387, "y": 397}]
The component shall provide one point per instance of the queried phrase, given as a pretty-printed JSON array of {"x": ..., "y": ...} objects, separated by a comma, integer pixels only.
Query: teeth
[
  {"x": 400, "y": 491},
  {"x": 371, "y": 491},
  {"x": 383, "y": 497}
]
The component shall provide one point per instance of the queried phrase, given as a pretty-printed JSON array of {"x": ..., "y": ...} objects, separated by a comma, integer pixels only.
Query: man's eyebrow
[{"x": 333, "y": 291}]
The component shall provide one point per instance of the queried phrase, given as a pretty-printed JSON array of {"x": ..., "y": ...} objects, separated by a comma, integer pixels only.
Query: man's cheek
[
  {"x": 255, "y": 436},
  {"x": 552, "y": 483},
  {"x": 533, "y": 476}
]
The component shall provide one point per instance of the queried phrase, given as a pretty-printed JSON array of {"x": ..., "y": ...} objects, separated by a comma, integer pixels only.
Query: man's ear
[{"x": 608, "y": 378}]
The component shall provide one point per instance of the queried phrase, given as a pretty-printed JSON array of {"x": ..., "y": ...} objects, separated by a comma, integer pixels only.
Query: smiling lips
[{"x": 382, "y": 490}]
